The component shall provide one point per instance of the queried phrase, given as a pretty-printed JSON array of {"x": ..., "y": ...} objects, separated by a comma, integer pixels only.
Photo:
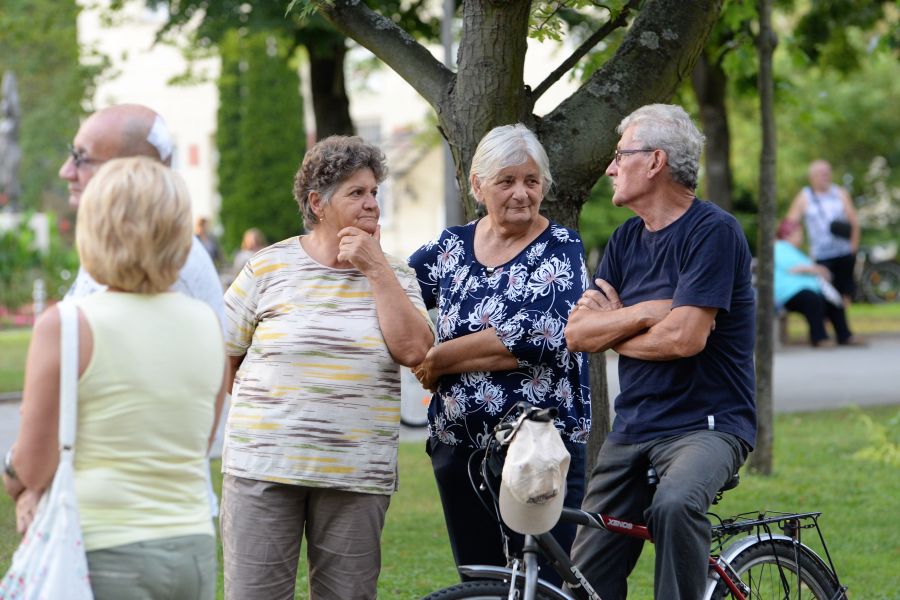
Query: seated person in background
[{"x": 803, "y": 286}]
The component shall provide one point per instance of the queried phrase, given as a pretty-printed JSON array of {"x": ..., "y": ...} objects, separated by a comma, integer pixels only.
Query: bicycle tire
[
  {"x": 414, "y": 423},
  {"x": 881, "y": 283},
  {"x": 477, "y": 590},
  {"x": 758, "y": 569}
]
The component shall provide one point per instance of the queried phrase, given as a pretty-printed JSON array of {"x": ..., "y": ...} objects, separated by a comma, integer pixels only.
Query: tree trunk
[
  {"x": 600, "y": 419},
  {"x": 761, "y": 459},
  {"x": 710, "y": 86},
  {"x": 489, "y": 89},
  {"x": 330, "y": 103}
]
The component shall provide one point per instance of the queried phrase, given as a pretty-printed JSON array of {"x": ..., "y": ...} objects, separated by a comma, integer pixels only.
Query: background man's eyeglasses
[
  {"x": 621, "y": 153},
  {"x": 79, "y": 158}
]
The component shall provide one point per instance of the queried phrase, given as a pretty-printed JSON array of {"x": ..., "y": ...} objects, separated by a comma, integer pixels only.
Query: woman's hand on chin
[{"x": 360, "y": 249}]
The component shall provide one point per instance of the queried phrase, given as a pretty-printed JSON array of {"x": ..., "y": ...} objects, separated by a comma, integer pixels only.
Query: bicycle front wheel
[
  {"x": 777, "y": 569},
  {"x": 478, "y": 590}
]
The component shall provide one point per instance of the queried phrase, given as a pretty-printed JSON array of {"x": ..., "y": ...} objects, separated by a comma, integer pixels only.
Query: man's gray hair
[
  {"x": 509, "y": 146},
  {"x": 669, "y": 128}
]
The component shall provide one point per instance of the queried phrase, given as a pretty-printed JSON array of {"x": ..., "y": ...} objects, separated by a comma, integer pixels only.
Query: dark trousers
[
  {"x": 692, "y": 467},
  {"x": 475, "y": 535},
  {"x": 814, "y": 307},
  {"x": 841, "y": 268}
]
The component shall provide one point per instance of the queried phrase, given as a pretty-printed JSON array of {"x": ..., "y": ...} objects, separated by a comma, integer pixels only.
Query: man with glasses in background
[
  {"x": 133, "y": 130},
  {"x": 673, "y": 298}
]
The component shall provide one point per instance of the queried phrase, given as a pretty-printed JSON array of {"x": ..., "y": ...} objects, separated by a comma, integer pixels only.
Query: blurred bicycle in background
[{"x": 877, "y": 274}]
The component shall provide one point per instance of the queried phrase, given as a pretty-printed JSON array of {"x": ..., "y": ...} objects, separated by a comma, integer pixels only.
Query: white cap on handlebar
[{"x": 533, "y": 483}]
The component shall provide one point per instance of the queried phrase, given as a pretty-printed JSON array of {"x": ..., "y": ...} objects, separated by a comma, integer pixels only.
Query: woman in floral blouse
[{"x": 503, "y": 286}]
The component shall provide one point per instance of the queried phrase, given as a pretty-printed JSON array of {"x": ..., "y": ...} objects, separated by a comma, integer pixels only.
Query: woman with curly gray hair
[{"x": 317, "y": 327}]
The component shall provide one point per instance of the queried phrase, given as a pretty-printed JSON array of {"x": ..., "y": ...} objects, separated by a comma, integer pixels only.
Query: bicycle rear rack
[{"x": 760, "y": 525}]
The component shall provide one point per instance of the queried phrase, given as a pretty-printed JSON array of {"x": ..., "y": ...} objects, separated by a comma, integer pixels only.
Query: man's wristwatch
[{"x": 8, "y": 466}]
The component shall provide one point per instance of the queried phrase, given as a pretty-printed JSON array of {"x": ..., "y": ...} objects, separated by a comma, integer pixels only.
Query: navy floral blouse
[{"x": 527, "y": 300}]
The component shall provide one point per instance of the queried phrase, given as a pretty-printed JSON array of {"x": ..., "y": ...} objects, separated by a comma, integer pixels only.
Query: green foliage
[
  {"x": 38, "y": 44},
  {"x": 260, "y": 136},
  {"x": 884, "y": 440},
  {"x": 21, "y": 263},
  {"x": 824, "y": 33},
  {"x": 599, "y": 218},
  {"x": 834, "y": 74},
  {"x": 826, "y": 114},
  {"x": 296, "y": 22}
]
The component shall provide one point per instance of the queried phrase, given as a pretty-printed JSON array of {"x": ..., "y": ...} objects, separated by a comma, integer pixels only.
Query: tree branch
[
  {"x": 583, "y": 49},
  {"x": 390, "y": 43}
]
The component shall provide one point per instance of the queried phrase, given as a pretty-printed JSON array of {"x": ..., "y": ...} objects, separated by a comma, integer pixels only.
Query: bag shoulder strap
[{"x": 68, "y": 374}]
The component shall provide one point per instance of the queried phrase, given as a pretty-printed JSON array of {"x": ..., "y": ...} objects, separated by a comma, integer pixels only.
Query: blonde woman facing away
[
  {"x": 317, "y": 327},
  {"x": 150, "y": 386}
]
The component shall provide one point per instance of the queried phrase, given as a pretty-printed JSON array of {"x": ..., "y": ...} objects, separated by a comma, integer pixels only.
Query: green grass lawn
[
  {"x": 815, "y": 470},
  {"x": 13, "y": 349}
]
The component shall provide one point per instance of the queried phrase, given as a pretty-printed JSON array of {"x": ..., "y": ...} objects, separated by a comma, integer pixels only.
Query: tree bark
[
  {"x": 761, "y": 459},
  {"x": 600, "y": 417},
  {"x": 329, "y": 95},
  {"x": 710, "y": 86},
  {"x": 488, "y": 88}
]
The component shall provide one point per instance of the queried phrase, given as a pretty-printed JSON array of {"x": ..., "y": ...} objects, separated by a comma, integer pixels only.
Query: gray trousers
[
  {"x": 176, "y": 568},
  {"x": 691, "y": 468},
  {"x": 263, "y": 523}
]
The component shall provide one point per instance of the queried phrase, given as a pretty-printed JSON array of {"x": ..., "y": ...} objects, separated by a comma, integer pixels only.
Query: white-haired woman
[
  {"x": 503, "y": 286},
  {"x": 317, "y": 328},
  {"x": 151, "y": 365}
]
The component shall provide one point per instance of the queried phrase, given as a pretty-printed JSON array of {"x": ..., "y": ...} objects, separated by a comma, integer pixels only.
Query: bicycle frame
[
  {"x": 758, "y": 530},
  {"x": 731, "y": 538}
]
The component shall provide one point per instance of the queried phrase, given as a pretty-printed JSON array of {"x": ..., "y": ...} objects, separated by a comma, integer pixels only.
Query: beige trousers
[{"x": 262, "y": 526}]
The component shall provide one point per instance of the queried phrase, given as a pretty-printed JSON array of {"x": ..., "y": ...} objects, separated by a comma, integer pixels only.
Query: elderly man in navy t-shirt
[{"x": 674, "y": 299}]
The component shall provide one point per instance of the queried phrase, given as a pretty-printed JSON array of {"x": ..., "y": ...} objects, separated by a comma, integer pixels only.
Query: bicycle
[
  {"x": 877, "y": 274},
  {"x": 748, "y": 559}
]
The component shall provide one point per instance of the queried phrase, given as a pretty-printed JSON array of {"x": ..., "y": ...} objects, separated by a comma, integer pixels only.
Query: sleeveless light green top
[{"x": 146, "y": 405}]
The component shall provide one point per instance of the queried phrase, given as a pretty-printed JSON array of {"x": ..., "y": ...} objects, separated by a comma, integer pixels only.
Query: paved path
[
  {"x": 805, "y": 379},
  {"x": 808, "y": 378}
]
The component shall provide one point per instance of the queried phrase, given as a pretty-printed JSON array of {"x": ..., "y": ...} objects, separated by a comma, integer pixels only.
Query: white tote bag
[{"x": 50, "y": 563}]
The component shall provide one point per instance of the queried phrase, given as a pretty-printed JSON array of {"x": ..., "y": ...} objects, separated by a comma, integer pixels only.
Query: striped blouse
[{"x": 316, "y": 401}]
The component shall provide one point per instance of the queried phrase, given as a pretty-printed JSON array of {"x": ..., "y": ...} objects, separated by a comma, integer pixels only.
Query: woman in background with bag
[
  {"x": 831, "y": 225},
  {"x": 150, "y": 385}
]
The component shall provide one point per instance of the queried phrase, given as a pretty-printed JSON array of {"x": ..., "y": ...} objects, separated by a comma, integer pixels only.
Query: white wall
[{"x": 140, "y": 73}]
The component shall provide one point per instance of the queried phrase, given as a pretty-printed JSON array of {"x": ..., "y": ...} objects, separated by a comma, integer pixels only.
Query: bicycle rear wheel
[
  {"x": 881, "y": 283},
  {"x": 477, "y": 590},
  {"x": 777, "y": 569}
]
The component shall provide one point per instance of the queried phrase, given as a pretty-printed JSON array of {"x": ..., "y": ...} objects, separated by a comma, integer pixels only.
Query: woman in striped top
[{"x": 317, "y": 328}]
